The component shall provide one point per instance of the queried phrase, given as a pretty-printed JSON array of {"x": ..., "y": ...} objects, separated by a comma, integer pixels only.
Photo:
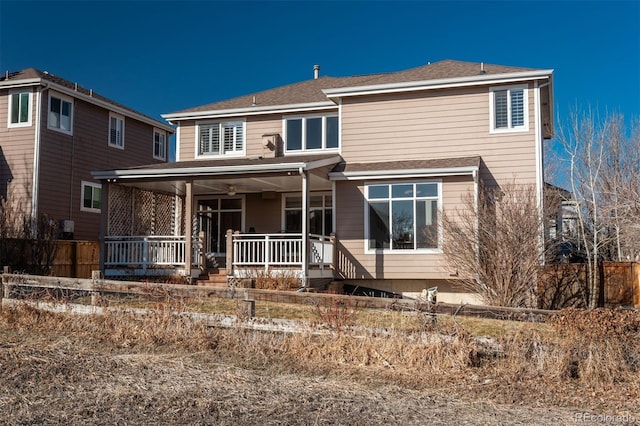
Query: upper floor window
[
  {"x": 402, "y": 216},
  {"x": 222, "y": 138},
  {"x": 509, "y": 109},
  {"x": 91, "y": 197},
  {"x": 159, "y": 144},
  {"x": 60, "y": 113},
  {"x": 116, "y": 130},
  {"x": 19, "y": 109},
  {"x": 311, "y": 133}
]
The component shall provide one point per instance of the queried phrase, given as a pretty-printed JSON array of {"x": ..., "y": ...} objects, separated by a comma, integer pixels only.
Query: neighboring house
[
  {"x": 53, "y": 133},
  {"x": 335, "y": 178}
]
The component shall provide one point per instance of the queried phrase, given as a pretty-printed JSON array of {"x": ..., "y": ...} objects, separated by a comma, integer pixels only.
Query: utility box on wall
[{"x": 66, "y": 229}]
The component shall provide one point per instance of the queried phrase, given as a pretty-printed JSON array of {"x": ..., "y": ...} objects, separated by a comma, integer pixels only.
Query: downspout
[
  {"x": 539, "y": 165},
  {"x": 36, "y": 159},
  {"x": 476, "y": 196},
  {"x": 305, "y": 226}
]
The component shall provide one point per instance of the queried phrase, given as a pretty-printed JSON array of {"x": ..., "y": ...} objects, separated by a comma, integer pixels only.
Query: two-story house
[
  {"x": 339, "y": 178},
  {"x": 53, "y": 133}
]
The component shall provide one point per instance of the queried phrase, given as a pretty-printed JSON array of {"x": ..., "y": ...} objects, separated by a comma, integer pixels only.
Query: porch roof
[
  {"x": 216, "y": 176},
  {"x": 409, "y": 168}
]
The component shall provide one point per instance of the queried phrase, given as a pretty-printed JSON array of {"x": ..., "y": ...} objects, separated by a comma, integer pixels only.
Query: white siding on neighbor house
[
  {"x": 354, "y": 263},
  {"x": 436, "y": 124}
]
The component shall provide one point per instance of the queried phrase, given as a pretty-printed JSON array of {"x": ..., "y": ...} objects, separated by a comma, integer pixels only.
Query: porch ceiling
[{"x": 216, "y": 176}]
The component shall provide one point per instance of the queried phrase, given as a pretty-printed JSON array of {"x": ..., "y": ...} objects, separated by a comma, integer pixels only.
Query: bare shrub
[
  {"x": 27, "y": 243},
  {"x": 337, "y": 314},
  {"x": 562, "y": 286},
  {"x": 275, "y": 280},
  {"x": 600, "y": 346},
  {"x": 493, "y": 243}
]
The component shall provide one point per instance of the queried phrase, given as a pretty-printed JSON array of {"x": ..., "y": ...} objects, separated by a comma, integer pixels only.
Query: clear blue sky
[{"x": 163, "y": 56}]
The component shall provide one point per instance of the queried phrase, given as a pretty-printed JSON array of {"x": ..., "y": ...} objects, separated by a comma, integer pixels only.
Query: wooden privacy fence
[
  {"x": 565, "y": 284},
  {"x": 76, "y": 259}
]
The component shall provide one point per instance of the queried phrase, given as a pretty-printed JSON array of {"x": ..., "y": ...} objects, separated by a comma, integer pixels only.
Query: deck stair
[{"x": 213, "y": 277}]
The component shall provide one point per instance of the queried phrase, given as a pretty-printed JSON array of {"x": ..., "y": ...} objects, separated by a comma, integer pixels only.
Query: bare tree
[
  {"x": 494, "y": 243},
  {"x": 604, "y": 179}
]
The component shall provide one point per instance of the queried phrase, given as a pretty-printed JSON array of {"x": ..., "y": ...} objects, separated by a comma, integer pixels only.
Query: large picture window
[
  {"x": 19, "y": 109},
  {"x": 60, "y": 113},
  {"x": 223, "y": 138},
  {"x": 403, "y": 216},
  {"x": 509, "y": 109},
  {"x": 311, "y": 133}
]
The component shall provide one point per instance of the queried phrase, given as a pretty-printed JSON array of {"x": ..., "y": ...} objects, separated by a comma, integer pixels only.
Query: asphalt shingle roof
[
  {"x": 32, "y": 73},
  {"x": 311, "y": 90}
]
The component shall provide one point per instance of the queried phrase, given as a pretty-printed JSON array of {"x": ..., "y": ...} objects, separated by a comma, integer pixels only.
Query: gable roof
[
  {"x": 314, "y": 91},
  {"x": 33, "y": 76}
]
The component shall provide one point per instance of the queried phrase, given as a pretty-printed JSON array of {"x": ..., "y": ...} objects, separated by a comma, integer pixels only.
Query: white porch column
[
  {"x": 104, "y": 222},
  {"x": 188, "y": 227},
  {"x": 305, "y": 227}
]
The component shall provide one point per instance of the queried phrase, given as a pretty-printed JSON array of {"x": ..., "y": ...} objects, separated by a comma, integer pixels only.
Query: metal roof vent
[{"x": 316, "y": 72}]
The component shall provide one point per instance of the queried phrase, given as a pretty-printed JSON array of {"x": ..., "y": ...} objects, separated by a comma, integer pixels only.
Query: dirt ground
[
  {"x": 54, "y": 376},
  {"x": 127, "y": 387}
]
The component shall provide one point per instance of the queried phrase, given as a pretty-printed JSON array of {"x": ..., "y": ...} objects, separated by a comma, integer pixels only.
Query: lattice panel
[
  {"x": 120, "y": 218},
  {"x": 133, "y": 211},
  {"x": 164, "y": 214},
  {"x": 143, "y": 213}
]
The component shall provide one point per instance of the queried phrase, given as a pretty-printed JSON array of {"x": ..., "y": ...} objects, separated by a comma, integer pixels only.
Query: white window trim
[
  {"x": 118, "y": 117},
  {"x": 241, "y": 153},
  {"x": 492, "y": 105},
  {"x": 10, "y": 109},
  {"x": 283, "y": 210},
  {"x": 390, "y": 250},
  {"x": 304, "y": 119},
  {"x": 73, "y": 107},
  {"x": 166, "y": 144},
  {"x": 92, "y": 185}
]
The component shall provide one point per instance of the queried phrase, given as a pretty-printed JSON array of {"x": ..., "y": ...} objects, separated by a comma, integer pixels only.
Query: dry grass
[{"x": 121, "y": 368}]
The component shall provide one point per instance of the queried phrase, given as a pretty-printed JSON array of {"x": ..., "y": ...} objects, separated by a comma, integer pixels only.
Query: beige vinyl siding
[
  {"x": 67, "y": 160},
  {"x": 354, "y": 263},
  {"x": 437, "y": 124},
  {"x": 16, "y": 155},
  {"x": 186, "y": 144},
  {"x": 258, "y": 126}
]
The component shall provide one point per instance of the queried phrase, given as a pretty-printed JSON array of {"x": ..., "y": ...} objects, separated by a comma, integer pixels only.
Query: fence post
[
  {"x": 229, "y": 247},
  {"x": 267, "y": 254},
  {"x": 6, "y": 287}
]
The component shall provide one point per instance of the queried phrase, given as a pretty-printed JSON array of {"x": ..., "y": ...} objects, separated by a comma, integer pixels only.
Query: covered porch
[{"x": 235, "y": 217}]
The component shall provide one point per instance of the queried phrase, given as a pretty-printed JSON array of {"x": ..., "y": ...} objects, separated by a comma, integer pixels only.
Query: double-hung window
[
  {"x": 159, "y": 144},
  {"x": 91, "y": 197},
  {"x": 116, "y": 130},
  {"x": 509, "y": 109},
  {"x": 19, "y": 109},
  {"x": 60, "y": 113},
  {"x": 312, "y": 133},
  {"x": 221, "y": 138},
  {"x": 403, "y": 216}
]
